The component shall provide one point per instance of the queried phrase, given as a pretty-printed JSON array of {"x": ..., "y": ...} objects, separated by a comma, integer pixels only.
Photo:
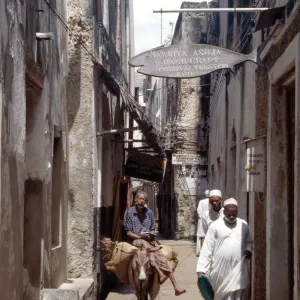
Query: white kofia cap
[
  {"x": 230, "y": 201},
  {"x": 207, "y": 193},
  {"x": 215, "y": 193}
]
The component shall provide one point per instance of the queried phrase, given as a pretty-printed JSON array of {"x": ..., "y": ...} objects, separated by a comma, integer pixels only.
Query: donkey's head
[
  {"x": 142, "y": 271},
  {"x": 141, "y": 263}
]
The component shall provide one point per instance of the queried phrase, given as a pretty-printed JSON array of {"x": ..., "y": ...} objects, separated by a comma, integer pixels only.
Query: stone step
[
  {"x": 55, "y": 294},
  {"x": 75, "y": 289}
]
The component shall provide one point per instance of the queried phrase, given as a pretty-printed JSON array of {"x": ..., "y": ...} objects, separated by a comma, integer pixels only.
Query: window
[{"x": 99, "y": 11}]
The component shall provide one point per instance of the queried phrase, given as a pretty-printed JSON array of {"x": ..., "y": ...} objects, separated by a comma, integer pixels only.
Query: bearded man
[{"x": 227, "y": 241}]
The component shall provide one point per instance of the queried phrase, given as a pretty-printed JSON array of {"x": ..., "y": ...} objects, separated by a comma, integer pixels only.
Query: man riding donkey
[{"x": 140, "y": 227}]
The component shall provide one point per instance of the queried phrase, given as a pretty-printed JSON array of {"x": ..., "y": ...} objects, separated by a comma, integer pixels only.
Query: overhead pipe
[{"x": 208, "y": 10}]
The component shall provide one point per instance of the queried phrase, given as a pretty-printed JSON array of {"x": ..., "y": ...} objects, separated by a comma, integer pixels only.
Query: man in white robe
[
  {"x": 214, "y": 212},
  {"x": 203, "y": 205},
  {"x": 226, "y": 244}
]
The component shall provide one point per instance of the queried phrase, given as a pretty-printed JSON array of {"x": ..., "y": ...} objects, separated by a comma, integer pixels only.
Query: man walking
[
  {"x": 203, "y": 205},
  {"x": 214, "y": 212},
  {"x": 227, "y": 241}
]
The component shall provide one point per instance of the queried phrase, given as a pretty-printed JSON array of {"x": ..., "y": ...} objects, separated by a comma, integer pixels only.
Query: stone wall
[
  {"x": 81, "y": 140},
  {"x": 184, "y": 113}
]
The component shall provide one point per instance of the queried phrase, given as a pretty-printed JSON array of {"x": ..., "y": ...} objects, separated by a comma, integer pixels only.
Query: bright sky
[{"x": 147, "y": 24}]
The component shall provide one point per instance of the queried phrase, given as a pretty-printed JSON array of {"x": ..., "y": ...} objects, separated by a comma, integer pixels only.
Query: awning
[{"x": 152, "y": 137}]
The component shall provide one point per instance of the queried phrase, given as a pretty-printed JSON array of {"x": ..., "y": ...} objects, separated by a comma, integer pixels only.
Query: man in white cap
[
  {"x": 226, "y": 243},
  {"x": 212, "y": 214},
  {"x": 202, "y": 207}
]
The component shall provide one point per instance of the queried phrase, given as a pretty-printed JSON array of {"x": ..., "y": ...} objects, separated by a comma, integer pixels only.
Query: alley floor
[{"x": 185, "y": 275}]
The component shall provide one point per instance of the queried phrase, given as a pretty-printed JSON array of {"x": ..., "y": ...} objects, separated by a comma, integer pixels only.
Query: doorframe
[{"x": 285, "y": 63}]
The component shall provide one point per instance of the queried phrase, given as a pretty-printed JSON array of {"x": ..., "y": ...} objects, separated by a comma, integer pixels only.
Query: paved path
[{"x": 184, "y": 274}]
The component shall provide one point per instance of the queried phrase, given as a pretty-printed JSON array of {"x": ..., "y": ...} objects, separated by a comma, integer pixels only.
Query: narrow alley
[
  {"x": 185, "y": 274},
  {"x": 123, "y": 122}
]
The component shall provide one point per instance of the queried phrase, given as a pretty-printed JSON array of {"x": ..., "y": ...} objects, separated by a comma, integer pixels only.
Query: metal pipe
[{"x": 206, "y": 10}]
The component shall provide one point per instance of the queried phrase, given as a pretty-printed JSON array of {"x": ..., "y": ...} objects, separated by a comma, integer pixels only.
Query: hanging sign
[
  {"x": 188, "y": 159},
  {"x": 253, "y": 178},
  {"x": 185, "y": 60},
  {"x": 145, "y": 166}
]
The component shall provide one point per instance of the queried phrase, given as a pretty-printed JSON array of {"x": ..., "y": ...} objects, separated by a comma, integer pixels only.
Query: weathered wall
[
  {"x": 28, "y": 116},
  {"x": 281, "y": 55},
  {"x": 232, "y": 121},
  {"x": 262, "y": 114},
  {"x": 81, "y": 138},
  {"x": 239, "y": 113},
  {"x": 188, "y": 113},
  {"x": 175, "y": 109},
  {"x": 217, "y": 138},
  {"x": 156, "y": 104},
  {"x": 12, "y": 94}
]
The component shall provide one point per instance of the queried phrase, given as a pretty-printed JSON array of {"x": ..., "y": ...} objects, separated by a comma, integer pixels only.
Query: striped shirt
[{"x": 136, "y": 224}]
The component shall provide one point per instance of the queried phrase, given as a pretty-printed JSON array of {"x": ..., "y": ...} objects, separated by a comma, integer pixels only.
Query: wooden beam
[
  {"x": 115, "y": 131},
  {"x": 131, "y": 141},
  {"x": 134, "y": 149}
]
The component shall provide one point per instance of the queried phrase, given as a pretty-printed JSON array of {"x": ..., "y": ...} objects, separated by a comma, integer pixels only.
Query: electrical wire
[
  {"x": 130, "y": 97},
  {"x": 172, "y": 83}
]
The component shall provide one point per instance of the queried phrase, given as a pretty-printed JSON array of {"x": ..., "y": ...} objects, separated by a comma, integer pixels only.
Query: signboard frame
[
  {"x": 144, "y": 166},
  {"x": 186, "y": 60},
  {"x": 254, "y": 165},
  {"x": 188, "y": 159}
]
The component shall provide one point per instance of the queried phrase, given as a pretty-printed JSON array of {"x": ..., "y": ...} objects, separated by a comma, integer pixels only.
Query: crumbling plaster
[
  {"x": 94, "y": 105},
  {"x": 12, "y": 118},
  {"x": 81, "y": 141},
  {"x": 188, "y": 113}
]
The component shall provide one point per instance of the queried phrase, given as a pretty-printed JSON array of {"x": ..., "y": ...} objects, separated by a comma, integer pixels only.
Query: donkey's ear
[{"x": 154, "y": 249}]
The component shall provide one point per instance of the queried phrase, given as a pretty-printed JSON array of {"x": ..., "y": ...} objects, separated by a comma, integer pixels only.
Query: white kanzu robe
[
  {"x": 203, "y": 206},
  {"x": 208, "y": 217},
  {"x": 222, "y": 251}
]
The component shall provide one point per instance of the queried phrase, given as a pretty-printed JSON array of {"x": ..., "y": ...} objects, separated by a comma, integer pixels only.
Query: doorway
[
  {"x": 56, "y": 203},
  {"x": 33, "y": 196}
]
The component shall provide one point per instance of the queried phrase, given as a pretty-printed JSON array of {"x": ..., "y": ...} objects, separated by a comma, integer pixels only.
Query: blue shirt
[{"x": 137, "y": 225}]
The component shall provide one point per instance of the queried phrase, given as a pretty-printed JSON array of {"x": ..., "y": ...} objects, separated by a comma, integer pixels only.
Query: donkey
[{"x": 142, "y": 275}]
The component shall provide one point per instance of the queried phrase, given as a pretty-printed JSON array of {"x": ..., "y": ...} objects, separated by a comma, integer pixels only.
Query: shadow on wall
[
  {"x": 33, "y": 218},
  {"x": 74, "y": 84}
]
